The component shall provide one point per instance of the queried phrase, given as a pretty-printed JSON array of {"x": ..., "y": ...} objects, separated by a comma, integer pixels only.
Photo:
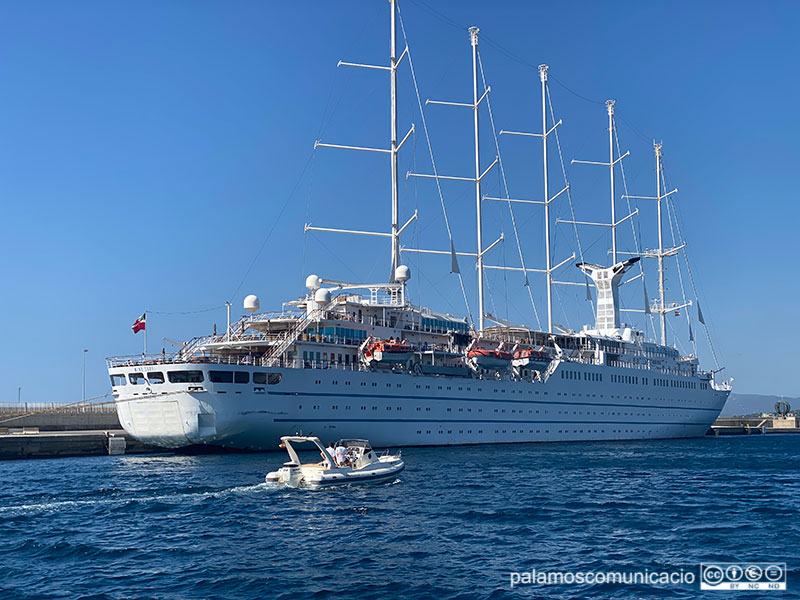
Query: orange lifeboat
[
  {"x": 388, "y": 352},
  {"x": 485, "y": 358},
  {"x": 531, "y": 357}
]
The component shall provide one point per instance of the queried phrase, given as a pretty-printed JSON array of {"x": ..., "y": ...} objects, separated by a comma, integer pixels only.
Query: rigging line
[
  {"x": 566, "y": 183},
  {"x": 433, "y": 162},
  {"x": 274, "y": 225},
  {"x": 508, "y": 196},
  {"x": 336, "y": 256},
  {"x": 435, "y": 288},
  {"x": 685, "y": 250},
  {"x": 676, "y": 337},
  {"x": 185, "y": 312},
  {"x": 440, "y": 16},
  {"x": 497, "y": 46},
  {"x": 636, "y": 238},
  {"x": 635, "y": 130},
  {"x": 308, "y": 214},
  {"x": 573, "y": 92},
  {"x": 327, "y": 105},
  {"x": 671, "y": 215}
]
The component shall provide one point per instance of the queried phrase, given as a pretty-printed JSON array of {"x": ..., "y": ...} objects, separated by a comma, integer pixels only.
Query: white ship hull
[{"x": 399, "y": 409}]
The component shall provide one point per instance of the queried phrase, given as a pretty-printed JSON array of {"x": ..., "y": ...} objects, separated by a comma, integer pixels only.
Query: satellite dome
[
  {"x": 251, "y": 303},
  {"x": 322, "y": 296},
  {"x": 312, "y": 282},
  {"x": 402, "y": 273}
]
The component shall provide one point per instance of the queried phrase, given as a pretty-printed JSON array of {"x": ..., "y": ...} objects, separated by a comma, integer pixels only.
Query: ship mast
[
  {"x": 393, "y": 147},
  {"x": 476, "y": 180},
  {"x": 661, "y": 253},
  {"x": 548, "y": 267},
  {"x": 610, "y": 164},
  {"x": 547, "y": 199},
  {"x": 610, "y": 108},
  {"x": 661, "y": 288},
  {"x": 392, "y": 151},
  {"x": 473, "y": 38}
]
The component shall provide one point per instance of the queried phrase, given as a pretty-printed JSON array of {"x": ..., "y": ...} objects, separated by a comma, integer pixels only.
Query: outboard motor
[{"x": 291, "y": 474}]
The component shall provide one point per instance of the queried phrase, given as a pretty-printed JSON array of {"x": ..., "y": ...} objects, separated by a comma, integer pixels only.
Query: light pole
[
  {"x": 84, "y": 375},
  {"x": 19, "y": 395}
]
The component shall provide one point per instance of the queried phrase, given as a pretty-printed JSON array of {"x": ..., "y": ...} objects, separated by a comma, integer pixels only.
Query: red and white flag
[{"x": 140, "y": 323}]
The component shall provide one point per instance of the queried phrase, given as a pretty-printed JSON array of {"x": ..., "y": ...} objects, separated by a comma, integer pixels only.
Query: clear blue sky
[{"x": 148, "y": 148}]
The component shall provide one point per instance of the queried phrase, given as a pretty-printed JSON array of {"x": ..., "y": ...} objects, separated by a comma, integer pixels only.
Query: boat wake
[{"x": 118, "y": 501}]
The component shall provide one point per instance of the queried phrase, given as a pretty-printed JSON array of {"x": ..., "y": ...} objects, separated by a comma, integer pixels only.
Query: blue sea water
[{"x": 454, "y": 525}]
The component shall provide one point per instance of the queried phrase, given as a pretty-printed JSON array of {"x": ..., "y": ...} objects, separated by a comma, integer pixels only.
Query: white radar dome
[
  {"x": 312, "y": 282},
  {"x": 251, "y": 303},
  {"x": 402, "y": 273},
  {"x": 322, "y": 296}
]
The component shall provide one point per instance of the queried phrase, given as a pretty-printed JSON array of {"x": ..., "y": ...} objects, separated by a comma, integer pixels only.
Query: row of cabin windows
[
  {"x": 625, "y": 379},
  {"x": 157, "y": 377},
  {"x": 584, "y": 376},
  {"x": 547, "y": 431},
  {"x": 675, "y": 383},
  {"x": 530, "y": 411},
  {"x": 334, "y": 358}
]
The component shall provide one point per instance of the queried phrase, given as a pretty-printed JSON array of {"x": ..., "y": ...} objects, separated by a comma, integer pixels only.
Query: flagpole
[{"x": 145, "y": 334}]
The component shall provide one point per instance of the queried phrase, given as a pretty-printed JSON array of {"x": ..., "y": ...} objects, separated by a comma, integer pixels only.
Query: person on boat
[
  {"x": 331, "y": 452},
  {"x": 341, "y": 456}
]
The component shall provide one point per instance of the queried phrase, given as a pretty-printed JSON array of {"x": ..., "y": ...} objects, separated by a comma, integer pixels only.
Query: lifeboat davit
[
  {"x": 484, "y": 358},
  {"x": 388, "y": 352}
]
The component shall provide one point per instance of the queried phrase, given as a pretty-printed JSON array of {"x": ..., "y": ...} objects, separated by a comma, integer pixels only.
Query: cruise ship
[{"x": 350, "y": 359}]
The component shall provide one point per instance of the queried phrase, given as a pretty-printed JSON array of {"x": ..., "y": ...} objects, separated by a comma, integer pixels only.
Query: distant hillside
[{"x": 745, "y": 404}]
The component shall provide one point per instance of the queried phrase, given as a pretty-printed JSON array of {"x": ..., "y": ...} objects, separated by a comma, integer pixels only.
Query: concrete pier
[
  {"x": 754, "y": 425},
  {"x": 28, "y": 443},
  {"x": 49, "y": 430}
]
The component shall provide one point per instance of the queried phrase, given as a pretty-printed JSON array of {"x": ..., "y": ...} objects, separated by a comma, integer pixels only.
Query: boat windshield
[{"x": 355, "y": 444}]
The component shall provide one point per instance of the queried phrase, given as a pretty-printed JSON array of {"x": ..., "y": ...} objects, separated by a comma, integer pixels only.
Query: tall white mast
[
  {"x": 661, "y": 288},
  {"x": 473, "y": 37},
  {"x": 610, "y": 164},
  {"x": 476, "y": 180},
  {"x": 610, "y": 108},
  {"x": 549, "y": 267},
  {"x": 392, "y": 151},
  {"x": 393, "y": 148},
  {"x": 661, "y": 304}
]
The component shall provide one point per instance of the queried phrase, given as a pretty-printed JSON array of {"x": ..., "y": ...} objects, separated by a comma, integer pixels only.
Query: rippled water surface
[{"x": 454, "y": 524}]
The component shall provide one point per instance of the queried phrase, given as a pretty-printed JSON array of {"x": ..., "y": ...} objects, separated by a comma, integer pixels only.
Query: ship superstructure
[{"x": 359, "y": 360}]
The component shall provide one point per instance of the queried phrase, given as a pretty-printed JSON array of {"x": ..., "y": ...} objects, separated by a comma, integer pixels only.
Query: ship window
[
  {"x": 136, "y": 378},
  {"x": 185, "y": 376},
  {"x": 241, "y": 377},
  {"x": 221, "y": 376},
  {"x": 259, "y": 378},
  {"x": 118, "y": 379},
  {"x": 155, "y": 377}
]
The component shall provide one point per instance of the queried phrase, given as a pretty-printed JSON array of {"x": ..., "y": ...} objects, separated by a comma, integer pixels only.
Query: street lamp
[{"x": 84, "y": 374}]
